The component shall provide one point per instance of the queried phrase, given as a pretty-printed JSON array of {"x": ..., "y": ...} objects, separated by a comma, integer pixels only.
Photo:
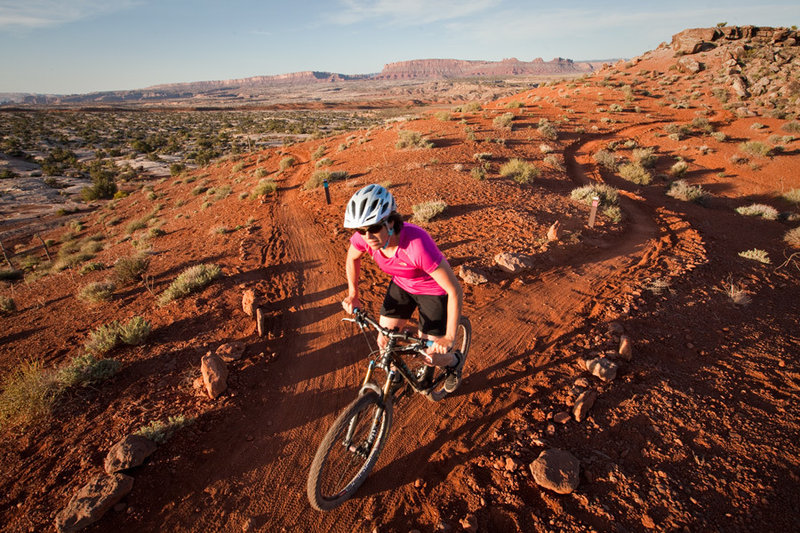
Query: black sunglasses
[{"x": 373, "y": 229}]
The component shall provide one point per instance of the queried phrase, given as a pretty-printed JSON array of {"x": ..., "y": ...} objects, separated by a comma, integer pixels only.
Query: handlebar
[{"x": 363, "y": 319}]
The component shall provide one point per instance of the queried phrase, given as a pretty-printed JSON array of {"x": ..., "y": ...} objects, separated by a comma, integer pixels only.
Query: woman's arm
[
  {"x": 353, "y": 272},
  {"x": 444, "y": 276}
]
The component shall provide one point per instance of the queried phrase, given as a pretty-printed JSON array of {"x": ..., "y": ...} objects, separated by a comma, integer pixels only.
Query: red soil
[{"x": 697, "y": 432}]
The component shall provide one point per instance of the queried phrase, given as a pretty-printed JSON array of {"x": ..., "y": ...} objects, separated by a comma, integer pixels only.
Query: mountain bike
[{"x": 353, "y": 443}]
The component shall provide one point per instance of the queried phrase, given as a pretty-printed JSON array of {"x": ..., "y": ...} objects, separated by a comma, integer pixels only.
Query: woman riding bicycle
[{"x": 421, "y": 276}]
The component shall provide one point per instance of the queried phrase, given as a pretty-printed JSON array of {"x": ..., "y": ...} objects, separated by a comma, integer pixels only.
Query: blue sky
[{"x": 77, "y": 46}]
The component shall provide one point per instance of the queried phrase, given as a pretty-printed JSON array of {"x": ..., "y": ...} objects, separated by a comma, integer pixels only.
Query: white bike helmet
[{"x": 370, "y": 205}]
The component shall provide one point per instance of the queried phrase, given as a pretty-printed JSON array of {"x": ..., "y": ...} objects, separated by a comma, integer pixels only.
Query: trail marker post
[
  {"x": 593, "y": 213},
  {"x": 327, "y": 191}
]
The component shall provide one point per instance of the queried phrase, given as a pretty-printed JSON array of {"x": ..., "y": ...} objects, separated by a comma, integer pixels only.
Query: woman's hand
[
  {"x": 438, "y": 353},
  {"x": 350, "y": 303}
]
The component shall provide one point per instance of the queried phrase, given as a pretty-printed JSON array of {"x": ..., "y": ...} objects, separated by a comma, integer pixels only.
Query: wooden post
[
  {"x": 46, "y": 251},
  {"x": 6, "y": 256},
  {"x": 593, "y": 214}
]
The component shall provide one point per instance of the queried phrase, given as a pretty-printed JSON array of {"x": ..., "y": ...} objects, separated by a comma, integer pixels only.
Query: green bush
[
  {"x": 479, "y": 173},
  {"x": 130, "y": 269},
  {"x": 159, "y": 432},
  {"x": 286, "y": 162},
  {"x": 608, "y": 196},
  {"x": 190, "y": 280},
  {"x": 504, "y": 121},
  {"x": 606, "y": 159},
  {"x": 645, "y": 157},
  {"x": 614, "y": 213},
  {"x": 29, "y": 394},
  {"x": 520, "y": 171},
  {"x": 635, "y": 173},
  {"x": 681, "y": 190},
  {"x": 547, "y": 129},
  {"x": 412, "y": 139},
  {"x": 265, "y": 186},
  {"x": 135, "y": 331},
  {"x": 756, "y": 148},
  {"x": 319, "y": 176},
  {"x": 7, "y": 305},
  {"x": 426, "y": 211},
  {"x": 792, "y": 126},
  {"x": 85, "y": 370},
  {"x": 97, "y": 291},
  {"x": 758, "y": 210},
  {"x": 104, "y": 339}
]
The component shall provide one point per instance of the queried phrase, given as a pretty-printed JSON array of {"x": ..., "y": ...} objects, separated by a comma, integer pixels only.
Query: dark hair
[{"x": 397, "y": 221}]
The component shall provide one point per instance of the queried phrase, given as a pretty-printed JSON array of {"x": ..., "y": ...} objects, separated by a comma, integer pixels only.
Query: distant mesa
[{"x": 241, "y": 89}]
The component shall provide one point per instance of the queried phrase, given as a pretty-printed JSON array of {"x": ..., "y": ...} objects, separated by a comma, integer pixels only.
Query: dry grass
[
  {"x": 520, "y": 171},
  {"x": 792, "y": 237},
  {"x": 97, "y": 292},
  {"x": 758, "y": 210},
  {"x": 190, "y": 280},
  {"x": 426, "y": 211}
]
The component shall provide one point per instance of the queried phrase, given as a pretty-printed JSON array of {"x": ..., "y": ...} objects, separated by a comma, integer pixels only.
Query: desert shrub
[
  {"x": 607, "y": 195},
  {"x": 681, "y": 190},
  {"x": 85, "y": 370},
  {"x": 97, "y": 291},
  {"x": 482, "y": 156},
  {"x": 103, "y": 186},
  {"x": 553, "y": 161},
  {"x": 791, "y": 127},
  {"x": 91, "y": 267},
  {"x": 614, "y": 213},
  {"x": 260, "y": 172},
  {"x": 547, "y": 129},
  {"x": 286, "y": 162},
  {"x": 503, "y": 121},
  {"x": 702, "y": 124},
  {"x": 200, "y": 189},
  {"x": 545, "y": 148},
  {"x": 238, "y": 167},
  {"x": 190, "y": 280},
  {"x": 426, "y": 211},
  {"x": 176, "y": 168},
  {"x": 471, "y": 107},
  {"x": 736, "y": 293},
  {"x": 757, "y": 126},
  {"x": 635, "y": 173},
  {"x": 519, "y": 170},
  {"x": 479, "y": 173},
  {"x": 514, "y": 104},
  {"x": 130, "y": 269},
  {"x": 792, "y": 196},
  {"x": 679, "y": 168},
  {"x": 615, "y": 108},
  {"x": 7, "y": 305},
  {"x": 606, "y": 159},
  {"x": 444, "y": 116},
  {"x": 758, "y": 210},
  {"x": 135, "y": 331},
  {"x": 29, "y": 394},
  {"x": 719, "y": 136},
  {"x": 792, "y": 237},
  {"x": 756, "y": 255},
  {"x": 324, "y": 162},
  {"x": 677, "y": 132},
  {"x": 412, "y": 139},
  {"x": 159, "y": 432},
  {"x": 756, "y": 148},
  {"x": 645, "y": 157},
  {"x": 104, "y": 339},
  {"x": 319, "y": 152},
  {"x": 264, "y": 186}
]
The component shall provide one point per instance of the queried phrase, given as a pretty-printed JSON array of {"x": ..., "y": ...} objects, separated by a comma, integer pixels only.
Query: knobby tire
[{"x": 337, "y": 472}]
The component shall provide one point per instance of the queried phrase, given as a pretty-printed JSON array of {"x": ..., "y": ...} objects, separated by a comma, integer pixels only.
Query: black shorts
[{"x": 398, "y": 303}]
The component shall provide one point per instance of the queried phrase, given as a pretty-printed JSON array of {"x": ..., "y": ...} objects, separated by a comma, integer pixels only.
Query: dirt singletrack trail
[{"x": 256, "y": 467}]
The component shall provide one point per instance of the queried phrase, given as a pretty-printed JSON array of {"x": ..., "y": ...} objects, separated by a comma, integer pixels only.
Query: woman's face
[{"x": 375, "y": 240}]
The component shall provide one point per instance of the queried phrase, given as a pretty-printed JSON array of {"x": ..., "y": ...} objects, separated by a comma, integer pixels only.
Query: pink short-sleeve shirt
[{"x": 417, "y": 256}]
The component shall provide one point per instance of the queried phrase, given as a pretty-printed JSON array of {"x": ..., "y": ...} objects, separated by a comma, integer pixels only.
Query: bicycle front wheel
[{"x": 348, "y": 452}]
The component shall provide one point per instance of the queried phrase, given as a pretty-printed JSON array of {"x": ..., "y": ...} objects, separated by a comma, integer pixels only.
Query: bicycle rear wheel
[
  {"x": 461, "y": 343},
  {"x": 348, "y": 452}
]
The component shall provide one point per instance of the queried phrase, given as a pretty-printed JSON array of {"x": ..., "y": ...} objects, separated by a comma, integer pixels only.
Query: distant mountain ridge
[{"x": 244, "y": 88}]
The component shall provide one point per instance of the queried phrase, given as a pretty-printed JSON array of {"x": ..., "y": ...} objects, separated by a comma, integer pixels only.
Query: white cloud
[
  {"x": 408, "y": 12},
  {"x": 22, "y": 14}
]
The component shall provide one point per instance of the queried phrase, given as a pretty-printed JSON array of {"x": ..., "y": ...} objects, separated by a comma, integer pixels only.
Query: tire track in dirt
[{"x": 321, "y": 363}]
